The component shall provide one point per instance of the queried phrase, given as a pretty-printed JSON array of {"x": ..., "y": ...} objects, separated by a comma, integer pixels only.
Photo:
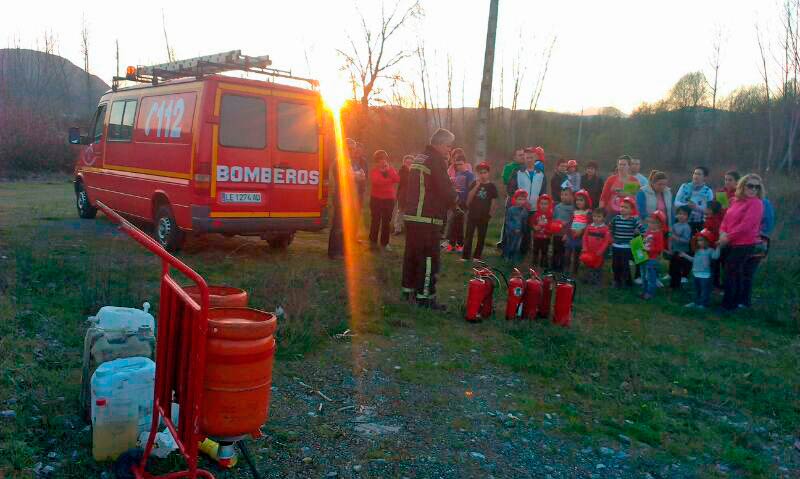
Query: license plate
[{"x": 240, "y": 197}]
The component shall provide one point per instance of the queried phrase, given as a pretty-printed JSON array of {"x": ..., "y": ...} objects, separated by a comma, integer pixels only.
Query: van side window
[
  {"x": 297, "y": 127},
  {"x": 97, "y": 129},
  {"x": 243, "y": 122},
  {"x": 120, "y": 122}
]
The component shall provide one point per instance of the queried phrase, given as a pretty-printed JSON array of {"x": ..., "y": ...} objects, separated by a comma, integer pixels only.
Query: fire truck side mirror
[{"x": 75, "y": 137}]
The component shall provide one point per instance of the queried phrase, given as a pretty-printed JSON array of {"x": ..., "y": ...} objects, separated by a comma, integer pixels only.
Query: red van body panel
[{"x": 227, "y": 155}]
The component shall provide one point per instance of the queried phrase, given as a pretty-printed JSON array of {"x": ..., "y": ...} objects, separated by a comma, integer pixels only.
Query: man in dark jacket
[{"x": 428, "y": 196}]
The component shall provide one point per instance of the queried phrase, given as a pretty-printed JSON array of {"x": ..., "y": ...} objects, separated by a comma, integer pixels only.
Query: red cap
[
  {"x": 632, "y": 203},
  {"x": 572, "y": 164},
  {"x": 518, "y": 193},
  {"x": 482, "y": 166},
  {"x": 586, "y": 198}
]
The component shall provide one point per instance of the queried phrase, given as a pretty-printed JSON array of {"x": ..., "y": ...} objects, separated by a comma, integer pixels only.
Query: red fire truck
[{"x": 191, "y": 150}]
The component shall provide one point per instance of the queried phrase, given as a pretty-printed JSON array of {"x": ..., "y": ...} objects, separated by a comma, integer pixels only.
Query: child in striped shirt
[{"x": 624, "y": 227}]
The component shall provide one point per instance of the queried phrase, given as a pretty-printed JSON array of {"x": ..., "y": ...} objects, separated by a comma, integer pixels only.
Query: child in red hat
[
  {"x": 654, "y": 245},
  {"x": 573, "y": 175},
  {"x": 581, "y": 218},
  {"x": 541, "y": 235},
  {"x": 624, "y": 227},
  {"x": 596, "y": 240}
]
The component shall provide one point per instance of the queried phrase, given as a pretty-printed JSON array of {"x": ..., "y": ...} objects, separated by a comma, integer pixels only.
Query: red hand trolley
[{"x": 180, "y": 361}]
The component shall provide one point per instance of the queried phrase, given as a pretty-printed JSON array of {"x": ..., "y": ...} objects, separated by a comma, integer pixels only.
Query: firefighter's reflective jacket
[{"x": 430, "y": 193}]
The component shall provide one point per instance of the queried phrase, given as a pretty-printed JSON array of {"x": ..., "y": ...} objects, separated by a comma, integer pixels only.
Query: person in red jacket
[
  {"x": 383, "y": 179},
  {"x": 596, "y": 240},
  {"x": 654, "y": 245},
  {"x": 541, "y": 236}
]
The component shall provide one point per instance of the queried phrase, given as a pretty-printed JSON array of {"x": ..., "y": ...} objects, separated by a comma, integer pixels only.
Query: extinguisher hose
[{"x": 494, "y": 270}]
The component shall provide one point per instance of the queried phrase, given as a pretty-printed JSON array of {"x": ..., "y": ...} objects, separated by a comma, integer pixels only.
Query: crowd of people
[{"x": 571, "y": 224}]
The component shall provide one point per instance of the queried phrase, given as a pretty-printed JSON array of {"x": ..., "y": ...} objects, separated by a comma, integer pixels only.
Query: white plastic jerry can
[{"x": 122, "y": 405}]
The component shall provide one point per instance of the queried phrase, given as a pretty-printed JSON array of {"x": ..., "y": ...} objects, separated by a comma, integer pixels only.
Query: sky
[{"x": 607, "y": 53}]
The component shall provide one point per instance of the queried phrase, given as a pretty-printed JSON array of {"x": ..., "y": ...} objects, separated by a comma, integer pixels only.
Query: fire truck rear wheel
[
  {"x": 281, "y": 241},
  {"x": 166, "y": 230},
  {"x": 85, "y": 208}
]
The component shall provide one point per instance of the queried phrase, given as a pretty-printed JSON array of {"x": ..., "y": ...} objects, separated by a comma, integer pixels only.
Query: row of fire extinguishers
[{"x": 528, "y": 298}]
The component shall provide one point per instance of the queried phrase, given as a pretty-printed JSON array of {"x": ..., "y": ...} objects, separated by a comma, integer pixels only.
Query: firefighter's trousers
[{"x": 421, "y": 259}]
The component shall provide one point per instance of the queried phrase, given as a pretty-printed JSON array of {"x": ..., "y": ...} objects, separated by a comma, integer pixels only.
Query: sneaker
[
  {"x": 388, "y": 248},
  {"x": 690, "y": 305},
  {"x": 431, "y": 304},
  {"x": 666, "y": 277},
  {"x": 459, "y": 249},
  {"x": 659, "y": 283},
  {"x": 638, "y": 281},
  {"x": 407, "y": 296},
  {"x": 700, "y": 306},
  {"x": 684, "y": 280},
  {"x": 449, "y": 248},
  {"x": 647, "y": 296}
]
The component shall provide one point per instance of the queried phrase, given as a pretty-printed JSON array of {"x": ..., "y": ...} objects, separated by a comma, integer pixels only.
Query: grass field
[{"x": 717, "y": 395}]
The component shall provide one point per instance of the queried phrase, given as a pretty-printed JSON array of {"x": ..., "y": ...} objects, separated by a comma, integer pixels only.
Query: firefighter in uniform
[{"x": 428, "y": 196}]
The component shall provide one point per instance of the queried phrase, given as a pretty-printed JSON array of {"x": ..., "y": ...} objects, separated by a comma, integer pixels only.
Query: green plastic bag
[
  {"x": 638, "y": 251},
  {"x": 630, "y": 189},
  {"x": 722, "y": 199}
]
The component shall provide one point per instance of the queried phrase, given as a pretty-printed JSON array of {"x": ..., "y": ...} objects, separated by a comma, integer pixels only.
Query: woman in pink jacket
[{"x": 740, "y": 231}]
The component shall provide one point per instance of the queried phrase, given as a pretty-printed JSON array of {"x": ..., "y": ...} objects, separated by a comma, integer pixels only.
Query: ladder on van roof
[{"x": 199, "y": 67}]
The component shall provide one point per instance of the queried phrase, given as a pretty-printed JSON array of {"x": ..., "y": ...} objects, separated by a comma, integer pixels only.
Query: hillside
[{"x": 39, "y": 80}]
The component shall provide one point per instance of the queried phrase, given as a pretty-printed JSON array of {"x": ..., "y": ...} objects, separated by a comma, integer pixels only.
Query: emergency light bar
[{"x": 206, "y": 65}]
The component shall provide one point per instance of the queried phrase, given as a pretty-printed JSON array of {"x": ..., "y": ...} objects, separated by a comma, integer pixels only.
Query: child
[
  {"x": 381, "y": 199},
  {"x": 654, "y": 245},
  {"x": 516, "y": 216},
  {"x": 580, "y": 220},
  {"x": 461, "y": 181},
  {"x": 562, "y": 212},
  {"x": 596, "y": 239},
  {"x": 701, "y": 269},
  {"x": 573, "y": 176},
  {"x": 541, "y": 237},
  {"x": 479, "y": 202},
  {"x": 624, "y": 227},
  {"x": 680, "y": 242}
]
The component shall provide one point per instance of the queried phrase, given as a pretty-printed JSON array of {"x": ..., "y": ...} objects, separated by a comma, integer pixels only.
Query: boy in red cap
[
  {"x": 624, "y": 227},
  {"x": 516, "y": 216},
  {"x": 541, "y": 236},
  {"x": 480, "y": 206},
  {"x": 654, "y": 245}
]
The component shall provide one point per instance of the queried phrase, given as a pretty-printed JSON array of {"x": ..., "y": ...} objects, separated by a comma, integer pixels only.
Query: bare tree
[
  {"x": 539, "y": 86},
  {"x": 449, "y": 92},
  {"x": 486, "y": 83},
  {"x": 765, "y": 76},
  {"x": 518, "y": 77},
  {"x": 719, "y": 38},
  {"x": 376, "y": 55},
  {"x": 791, "y": 67},
  {"x": 85, "y": 52},
  {"x": 423, "y": 68}
]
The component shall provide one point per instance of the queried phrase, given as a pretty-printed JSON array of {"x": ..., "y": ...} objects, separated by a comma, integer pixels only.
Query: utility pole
[
  {"x": 486, "y": 83},
  {"x": 580, "y": 130}
]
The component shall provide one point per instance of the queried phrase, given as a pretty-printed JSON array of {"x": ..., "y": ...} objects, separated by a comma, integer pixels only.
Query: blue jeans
[
  {"x": 650, "y": 276},
  {"x": 702, "y": 288}
]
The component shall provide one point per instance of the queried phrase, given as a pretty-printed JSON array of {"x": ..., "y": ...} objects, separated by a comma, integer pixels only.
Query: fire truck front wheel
[
  {"x": 85, "y": 208},
  {"x": 166, "y": 230}
]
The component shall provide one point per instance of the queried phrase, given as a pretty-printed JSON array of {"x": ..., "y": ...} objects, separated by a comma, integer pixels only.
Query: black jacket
[{"x": 429, "y": 193}]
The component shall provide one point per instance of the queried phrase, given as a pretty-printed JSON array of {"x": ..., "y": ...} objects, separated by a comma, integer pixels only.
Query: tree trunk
[{"x": 486, "y": 83}]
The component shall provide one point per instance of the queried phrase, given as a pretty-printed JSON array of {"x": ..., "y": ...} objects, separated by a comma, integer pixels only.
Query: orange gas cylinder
[
  {"x": 220, "y": 296},
  {"x": 239, "y": 357}
]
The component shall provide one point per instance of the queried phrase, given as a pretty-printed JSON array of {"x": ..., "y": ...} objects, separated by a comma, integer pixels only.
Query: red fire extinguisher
[
  {"x": 533, "y": 295},
  {"x": 565, "y": 294},
  {"x": 547, "y": 296},
  {"x": 516, "y": 295},
  {"x": 480, "y": 292},
  {"x": 476, "y": 295}
]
